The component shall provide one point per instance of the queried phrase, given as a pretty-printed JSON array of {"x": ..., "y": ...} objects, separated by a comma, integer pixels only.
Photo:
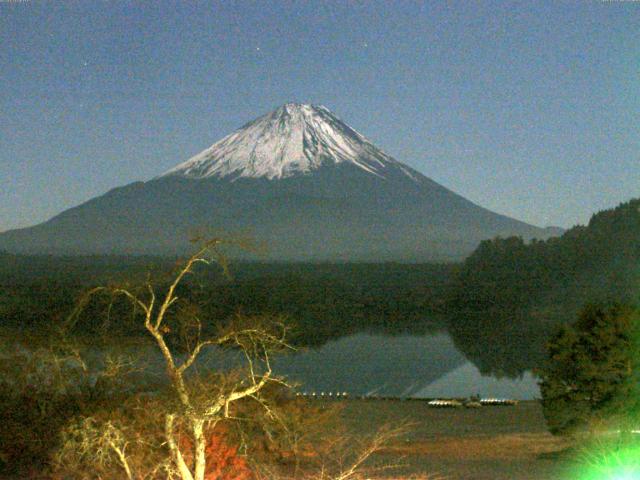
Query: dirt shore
[{"x": 488, "y": 443}]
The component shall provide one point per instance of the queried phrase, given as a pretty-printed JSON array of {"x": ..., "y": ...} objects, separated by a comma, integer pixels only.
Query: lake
[
  {"x": 362, "y": 364},
  {"x": 423, "y": 366}
]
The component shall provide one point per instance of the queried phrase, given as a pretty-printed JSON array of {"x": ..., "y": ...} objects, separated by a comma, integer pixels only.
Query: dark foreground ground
[{"x": 488, "y": 443}]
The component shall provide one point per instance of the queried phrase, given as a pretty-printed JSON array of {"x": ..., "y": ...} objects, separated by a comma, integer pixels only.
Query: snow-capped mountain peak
[{"x": 294, "y": 139}]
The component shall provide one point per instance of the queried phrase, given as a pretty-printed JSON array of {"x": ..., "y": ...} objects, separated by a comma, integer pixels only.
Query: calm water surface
[{"x": 401, "y": 365}]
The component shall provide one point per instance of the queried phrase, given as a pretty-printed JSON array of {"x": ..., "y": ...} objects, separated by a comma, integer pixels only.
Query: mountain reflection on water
[{"x": 396, "y": 365}]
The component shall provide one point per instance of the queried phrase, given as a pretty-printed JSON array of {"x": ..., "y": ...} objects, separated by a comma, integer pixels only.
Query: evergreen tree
[{"x": 592, "y": 372}]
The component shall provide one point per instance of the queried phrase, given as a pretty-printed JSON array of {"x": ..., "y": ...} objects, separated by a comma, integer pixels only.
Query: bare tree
[
  {"x": 198, "y": 406},
  {"x": 200, "y": 403}
]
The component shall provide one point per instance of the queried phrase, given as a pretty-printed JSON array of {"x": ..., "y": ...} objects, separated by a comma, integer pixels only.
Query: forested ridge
[{"x": 509, "y": 296}]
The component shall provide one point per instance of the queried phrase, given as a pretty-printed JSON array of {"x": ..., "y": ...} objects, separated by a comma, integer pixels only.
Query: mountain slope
[{"x": 297, "y": 179}]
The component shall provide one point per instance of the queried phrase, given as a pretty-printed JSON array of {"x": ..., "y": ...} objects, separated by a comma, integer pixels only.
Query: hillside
[{"x": 515, "y": 294}]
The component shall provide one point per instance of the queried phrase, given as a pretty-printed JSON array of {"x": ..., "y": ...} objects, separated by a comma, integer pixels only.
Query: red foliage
[{"x": 223, "y": 460}]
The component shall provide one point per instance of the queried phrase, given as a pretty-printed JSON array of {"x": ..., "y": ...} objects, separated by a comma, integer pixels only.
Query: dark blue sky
[{"x": 528, "y": 108}]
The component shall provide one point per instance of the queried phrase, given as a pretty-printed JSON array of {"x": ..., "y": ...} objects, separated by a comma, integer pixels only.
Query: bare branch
[
  {"x": 194, "y": 354},
  {"x": 195, "y": 258},
  {"x": 134, "y": 299}
]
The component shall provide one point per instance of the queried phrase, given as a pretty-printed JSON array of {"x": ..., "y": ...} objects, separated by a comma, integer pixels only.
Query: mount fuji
[{"x": 300, "y": 181}]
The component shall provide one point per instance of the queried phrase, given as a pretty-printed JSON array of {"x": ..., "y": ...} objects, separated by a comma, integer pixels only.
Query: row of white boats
[{"x": 473, "y": 402}]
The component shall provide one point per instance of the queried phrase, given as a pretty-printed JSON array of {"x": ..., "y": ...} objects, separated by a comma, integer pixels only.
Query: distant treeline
[
  {"x": 322, "y": 301},
  {"x": 508, "y": 297}
]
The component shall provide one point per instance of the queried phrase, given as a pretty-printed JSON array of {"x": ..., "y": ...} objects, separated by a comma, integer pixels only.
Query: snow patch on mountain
[{"x": 294, "y": 139}]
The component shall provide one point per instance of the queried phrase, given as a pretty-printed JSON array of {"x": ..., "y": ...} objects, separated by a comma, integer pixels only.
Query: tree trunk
[
  {"x": 176, "y": 455},
  {"x": 199, "y": 449}
]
